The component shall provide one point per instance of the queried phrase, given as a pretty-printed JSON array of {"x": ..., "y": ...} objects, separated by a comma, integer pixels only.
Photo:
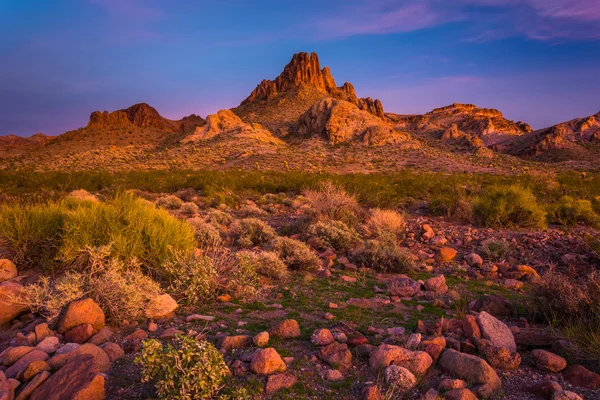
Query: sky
[{"x": 535, "y": 60}]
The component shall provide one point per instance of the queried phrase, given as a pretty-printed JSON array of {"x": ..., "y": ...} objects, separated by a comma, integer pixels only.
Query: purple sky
[{"x": 535, "y": 60}]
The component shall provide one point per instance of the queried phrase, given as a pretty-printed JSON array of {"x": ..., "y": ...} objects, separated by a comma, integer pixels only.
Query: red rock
[
  {"x": 446, "y": 254},
  {"x": 101, "y": 337},
  {"x": 470, "y": 327},
  {"x": 35, "y": 368},
  {"x": 547, "y": 361},
  {"x": 12, "y": 354},
  {"x": 322, "y": 337},
  {"x": 101, "y": 359},
  {"x": 459, "y": 394},
  {"x": 113, "y": 351},
  {"x": 236, "y": 342},
  {"x": 81, "y": 312},
  {"x": 9, "y": 310},
  {"x": 278, "y": 382},
  {"x": 80, "y": 334},
  {"x": 434, "y": 351},
  {"x": 578, "y": 375},
  {"x": 469, "y": 368},
  {"x": 8, "y": 270},
  {"x": 544, "y": 389},
  {"x": 15, "y": 370},
  {"x": 286, "y": 329},
  {"x": 496, "y": 305},
  {"x": 371, "y": 392},
  {"x": 32, "y": 385},
  {"x": 336, "y": 355},
  {"x": 417, "y": 362},
  {"x": 162, "y": 306},
  {"x": 5, "y": 392},
  {"x": 266, "y": 362}
]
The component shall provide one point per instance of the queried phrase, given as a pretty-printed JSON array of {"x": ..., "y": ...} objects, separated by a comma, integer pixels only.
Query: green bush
[
  {"x": 451, "y": 205},
  {"x": 249, "y": 232},
  {"x": 495, "y": 250},
  {"x": 509, "y": 206},
  {"x": 266, "y": 263},
  {"x": 384, "y": 256},
  {"x": 335, "y": 234},
  {"x": 295, "y": 254},
  {"x": 185, "y": 369},
  {"x": 193, "y": 279},
  {"x": 570, "y": 211},
  {"x": 40, "y": 235}
]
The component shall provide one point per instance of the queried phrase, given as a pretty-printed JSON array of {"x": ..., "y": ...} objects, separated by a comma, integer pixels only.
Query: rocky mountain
[
  {"x": 277, "y": 104},
  {"x": 16, "y": 145}
]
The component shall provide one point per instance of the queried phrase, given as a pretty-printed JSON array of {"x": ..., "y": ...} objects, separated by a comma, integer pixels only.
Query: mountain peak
[{"x": 141, "y": 115}]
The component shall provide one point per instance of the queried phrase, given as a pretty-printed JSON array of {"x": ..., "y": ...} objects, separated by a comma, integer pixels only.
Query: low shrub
[
  {"x": 243, "y": 277},
  {"x": 219, "y": 217},
  {"x": 192, "y": 279},
  {"x": 189, "y": 209},
  {"x": 169, "y": 202},
  {"x": 385, "y": 223},
  {"x": 495, "y": 250},
  {"x": 509, "y": 206},
  {"x": 207, "y": 235},
  {"x": 451, "y": 205},
  {"x": 335, "y": 234},
  {"x": 184, "y": 369},
  {"x": 296, "y": 254},
  {"x": 266, "y": 263},
  {"x": 333, "y": 202},
  {"x": 249, "y": 232},
  {"x": 596, "y": 204},
  {"x": 570, "y": 211},
  {"x": 384, "y": 256}
]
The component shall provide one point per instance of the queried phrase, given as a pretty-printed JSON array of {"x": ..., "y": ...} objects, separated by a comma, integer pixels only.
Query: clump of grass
[
  {"x": 189, "y": 209},
  {"x": 333, "y": 202},
  {"x": 384, "y": 256},
  {"x": 207, "y": 235},
  {"x": 495, "y": 250},
  {"x": 296, "y": 254},
  {"x": 385, "y": 223},
  {"x": 509, "y": 206},
  {"x": 335, "y": 234},
  {"x": 169, "y": 202},
  {"x": 266, "y": 263},
  {"x": 219, "y": 217},
  {"x": 193, "y": 279},
  {"x": 249, "y": 232},
  {"x": 243, "y": 277},
  {"x": 452, "y": 205},
  {"x": 570, "y": 211}
]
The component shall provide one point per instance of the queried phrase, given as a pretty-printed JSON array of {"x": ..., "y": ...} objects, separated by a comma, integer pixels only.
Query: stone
[
  {"x": 137, "y": 335},
  {"x": 547, "y": 361},
  {"x": 403, "y": 287},
  {"x": 578, "y": 375},
  {"x": 434, "y": 350},
  {"x": 498, "y": 306},
  {"x": 446, "y": 254},
  {"x": 336, "y": 355},
  {"x": 42, "y": 331},
  {"x": 417, "y": 362},
  {"x": 15, "y": 370},
  {"x": 113, "y": 351},
  {"x": 474, "y": 260},
  {"x": 279, "y": 382},
  {"x": 470, "y": 368},
  {"x": 470, "y": 327},
  {"x": 8, "y": 270},
  {"x": 501, "y": 357},
  {"x": 431, "y": 394},
  {"x": 198, "y": 317},
  {"x": 396, "y": 331},
  {"x": 400, "y": 377},
  {"x": 496, "y": 331},
  {"x": 266, "y": 362},
  {"x": 413, "y": 341},
  {"x": 103, "y": 336},
  {"x": 101, "y": 360},
  {"x": 261, "y": 339},
  {"x": 286, "y": 329},
  {"x": 565, "y": 395},
  {"x": 80, "y": 334},
  {"x": 513, "y": 284},
  {"x": 80, "y": 312},
  {"x": 332, "y": 375},
  {"x": 12, "y": 354},
  {"x": 77, "y": 380},
  {"x": 322, "y": 337},
  {"x": 162, "y": 306},
  {"x": 459, "y": 394},
  {"x": 35, "y": 368},
  {"x": 66, "y": 348},
  {"x": 438, "y": 241},
  {"x": 8, "y": 309},
  {"x": 436, "y": 284},
  {"x": 371, "y": 392},
  {"x": 236, "y": 342},
  {"x": 37, "y": 380},
  {"x": 224, "y": 298},
  {"x": 449, "y": 384},
  {"x": 544, "y": 389},
  {"x": 49, "y": 344},
  {"x": 5, "y": 390}
]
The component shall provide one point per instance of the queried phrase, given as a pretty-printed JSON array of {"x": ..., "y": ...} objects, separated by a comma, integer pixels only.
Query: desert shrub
[
  {"x": 495, "y": 250},
  {"x": 120, "y": 289},
  {"x": 243, "y": 276},
  {"x": 189, "y": 209},
  {"x": 385, "y": 223},
  {"x": 251, "y": 210},
  {"x": 219, "y": 217},
  {"x": 266, "y": 263},
  {"x": 384, "y": 256},
  {"x": 295, "y": 254},
  {"x": 184, "y": 369},
  {"x": 169, "y": 202},
  {"x": 207, "y": 235},
  {"x": 452, "y": 205},
  {"x": 82, "y": 194},
  {"x": 333, "y": 202},
  {"x": 334, "y": 233},
  {"x": 193, "y": 279},
  {"x": 249, "y": 232},
  {"x": 570, "y": 211},
  {"x": 509, "y": 206},
  {"x": 186, "y": 194},
  {"x": 596, "y": 204},
  {"x": 39, "y": 235}
]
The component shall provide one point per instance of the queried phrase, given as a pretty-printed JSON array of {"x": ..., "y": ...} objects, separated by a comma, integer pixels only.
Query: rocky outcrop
[{"x": 339, "y": 121}]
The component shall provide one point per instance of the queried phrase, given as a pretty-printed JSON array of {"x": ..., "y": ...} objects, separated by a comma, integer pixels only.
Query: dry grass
[
  {"x": 333, "y": 202},
  {"x": 385, "y": 223},
  {"x": 295, "y": 254}
]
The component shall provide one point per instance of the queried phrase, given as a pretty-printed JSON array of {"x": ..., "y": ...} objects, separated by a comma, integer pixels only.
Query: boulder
[
  {"x": 495, "y": 305},
  {"x": 547, "y": 361},
  {"x": 371, "y": 392},
  {"x": 336, "y": 355},
  {"x": 80, "y": 312},
  {"x": 42, "y": 331},
  {"x": 496, "y": 331},
  {"x": 15, "y": 370},
  {"x": 278, "y": 382},
  {"x": 35, "y": 368},
  {"x": 544, "y": 389},
  {"x": 80, "y": 334},
  {"x": 113, "y": 351},
  {"x": 459, "y": 394},
  {"x": 286, "y": 329},
  {"x": 474, "y": 260},
  {"x": 403, "y": 287},
  {"x": 77, "y": 380},
  {"x": 565, "y": 395},
  {"x": 417, "y": 362},
  {"x": 261, "y": 339},
  {"x": 266, "y": 362},
  {"x": 162, "y": 306},
  {"x": 8, "y": 270},
  {"x": 12, "y": 354},
  {"x": 236, "y": 342},
  {"x": 322, "y": 337},
  {"x": 101, "y": 360},
  {"x": 578, "y": 375},
  {"x": 470, "y": 327},
  {"x": 37, "y": 380},
  {"x": 436, "y": 284},
  {"x": 446, "y": 254},
  {"x": 5, "y": 392},
  {"x": 8, "y": 309},
  {"x": 400, "y": 377},
  {"x": 49, "y": 344},
  {"x": 103, "y": 336},
  {"x": 470, "y": 368}
]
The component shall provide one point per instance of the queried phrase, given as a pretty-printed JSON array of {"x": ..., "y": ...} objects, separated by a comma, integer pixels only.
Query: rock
[
  {"x": 322, "y": 337},
  {"x": 77, "y": 380},
  {"x": 459, "y": 394},
  {"x": 544, "y": 389},
  {"x": 474, "y": 260},
  {"x": 371, "y": 392},
  {"x": 12, "y": 354},
  {"x": 80, "y": 334},
  {"x": 278, "y": 382},
  {"x": 446, "y": 254},
  {"x": 8, "y": 270},
  {"x": 470, "y": 368},
  {"x": 403, "y": 287},
  {"x": 261, "y": 339},
  {"x": 400, "y": 377},
  {"x": 162, "y": 306},
  {"x": 170, "y": 333},
  {"x": 236, "y": 342},
  {"x": 431, "y": 394},
  {"x": 534, "y": 338},
  {"x": 152, "y": 326},
  {"x": 436, "y": 284},
  {"x": 113, "y": 351},
  {"x": 566, "y": 395},
  {"x": 413, "y": 341},
  {"x": 449, "y": 384},
  {"x": 434, "y": 350},
  {"x": 286, "y": 329},
  {"x": 8, "y": 309},
  {"x": 348, "y": 279},
  {"x": 513, "y": 284},
  {"x": 81, "y": 312},
  {"x": 15, "y": 370},
  {"x": 37, "y": 380},
  {"x": 496, "y": 331},
  {"x": 101, "y": 359},
  {"x": 42, "y": 331},
  {"x": 578, "y": 375},
  {"x": 336, "y": 355},
  {"x": 501, "y": 357},
  {"x": 103, "y": 336},
  {"x": 224, "y": 298},
  {"x": 428, "y": 232},
  {"x": 496, "y": 305},
  {"x": 549, "y": 362},
  {"x": 66, "y": 348},
  {"x": 137, "y": 335},
  {"x": 266, "y": 362},
  {"x": 35, "y": 368},
  {"x": 470, "y": 327},
  {"x": 396, "y": 331},
  {"x": 417, "y": 362},
  {"x": 332, "y": 375},
  {"x": 48, "y": 345},
  {"x": 5, "y": 390},
  {"x": 198, "y": 317}
]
